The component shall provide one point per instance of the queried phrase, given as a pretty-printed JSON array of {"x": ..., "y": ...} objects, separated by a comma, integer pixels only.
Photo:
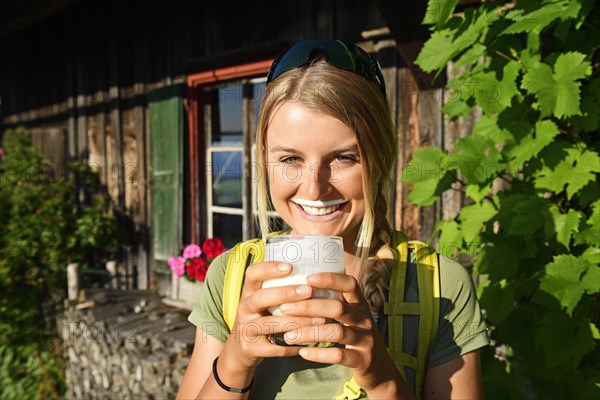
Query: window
[{"x": 222, "y": 113}]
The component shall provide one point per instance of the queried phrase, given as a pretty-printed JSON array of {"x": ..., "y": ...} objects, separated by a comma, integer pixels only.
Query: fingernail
[
  {"x": 283, "y": 267},
  {"x": 287, "y": 307},
  {"x": 303, "y": 352},
  {"x": 311, "y": 279},
  {"x": 303, "y": 290}
]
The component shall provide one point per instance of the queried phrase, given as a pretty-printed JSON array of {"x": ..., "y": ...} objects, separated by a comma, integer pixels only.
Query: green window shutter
[{"x": 165, "y": 108}]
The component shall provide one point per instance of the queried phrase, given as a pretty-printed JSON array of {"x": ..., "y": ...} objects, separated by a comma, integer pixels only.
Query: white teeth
[
  {"x": 319, "y": 203},
  {"x": 319, "y": 210},
  {"x": 319, "y": 207}
]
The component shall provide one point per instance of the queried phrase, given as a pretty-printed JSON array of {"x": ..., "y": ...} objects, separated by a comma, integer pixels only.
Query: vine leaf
[
  {"x": 575, "y": 171},
  {"x": 532, "y": 18},
  {"x": 530, "y": 146},
  {"x": 563, "y": 225},
  {"x": 563, "y": 341},
  {"x": 425, "y": 170},
  {"x": 557, "y": 92},
  {"x": 446, "y": 43},
  {"x": 529, "y": 216},
  {"x": 439, "y": 11},
  {"x": 473, "y": 217},
  {"x": 568, "y": 277},
  {"x": 477, "y": 158},
  {"x": 451, "y": 237},
  {"x": 493, "y": 95}
]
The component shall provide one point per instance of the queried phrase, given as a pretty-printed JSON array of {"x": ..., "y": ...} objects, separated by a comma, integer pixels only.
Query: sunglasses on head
[{"x": 338, "y": 53}]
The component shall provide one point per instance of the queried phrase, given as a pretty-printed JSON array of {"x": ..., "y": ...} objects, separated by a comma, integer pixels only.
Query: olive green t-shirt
[{"x": 461, "y": 329}]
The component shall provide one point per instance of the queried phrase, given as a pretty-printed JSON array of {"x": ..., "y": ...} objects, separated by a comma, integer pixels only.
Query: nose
[{"x": 317, "y": 181}]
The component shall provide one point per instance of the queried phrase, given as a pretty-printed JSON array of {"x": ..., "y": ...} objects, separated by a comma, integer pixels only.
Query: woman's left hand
[{"x": 363, "y": 351}]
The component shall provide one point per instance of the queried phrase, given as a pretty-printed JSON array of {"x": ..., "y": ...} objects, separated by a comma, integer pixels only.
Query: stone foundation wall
[{"x": 124, "y": 345}]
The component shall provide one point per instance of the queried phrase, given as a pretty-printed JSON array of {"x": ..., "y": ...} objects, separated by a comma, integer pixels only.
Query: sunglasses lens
[{"x": 342, "y": 55}]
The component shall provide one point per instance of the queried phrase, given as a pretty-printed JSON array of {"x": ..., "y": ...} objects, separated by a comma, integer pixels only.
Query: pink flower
[
  {"x": 177, "y": 265},
  {"x": 191, "y": 251},
  {"x": 1, "y": 152}
]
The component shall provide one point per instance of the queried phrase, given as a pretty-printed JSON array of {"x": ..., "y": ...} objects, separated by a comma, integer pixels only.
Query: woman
[{"x": 326, "y": 142}]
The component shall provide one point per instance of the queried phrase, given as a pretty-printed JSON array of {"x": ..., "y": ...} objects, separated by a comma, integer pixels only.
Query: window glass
[
  {"x": 228, "y": 228},
  {"x": 226, "y": 118},
  {"x": 227, "y": 178}
]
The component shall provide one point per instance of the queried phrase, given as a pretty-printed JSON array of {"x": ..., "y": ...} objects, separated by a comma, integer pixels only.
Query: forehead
[{"x": 294, "y": 123}]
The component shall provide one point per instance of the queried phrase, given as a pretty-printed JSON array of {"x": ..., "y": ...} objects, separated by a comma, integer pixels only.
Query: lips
[{"x": 319, "y": 207}]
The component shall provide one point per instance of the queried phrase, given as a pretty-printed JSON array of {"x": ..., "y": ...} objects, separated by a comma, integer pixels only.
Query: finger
[
  {"x": 328, "y": 308},
  {"x": 262, "y": 299},
  {"x": 332, "y": 355},
  {"x": 270, "y": 325},
  {"x": 336, "y": 333},
  {"x": 257, "y": 273},
  {"x": 346, "y": 284}
]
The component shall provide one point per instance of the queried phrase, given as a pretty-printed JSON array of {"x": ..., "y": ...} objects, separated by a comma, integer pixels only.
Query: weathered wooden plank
[
  {"x": 406, "y": 214},
  {"x": 430, "y": 135}
]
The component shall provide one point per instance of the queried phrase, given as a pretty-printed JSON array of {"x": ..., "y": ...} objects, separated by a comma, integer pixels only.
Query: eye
[
  {"x": 290, "y": 159},
  {"x": 346, "y": 158}
]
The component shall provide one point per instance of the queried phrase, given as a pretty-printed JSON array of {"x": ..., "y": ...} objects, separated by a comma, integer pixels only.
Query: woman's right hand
[{"x": 253, "y": 324}]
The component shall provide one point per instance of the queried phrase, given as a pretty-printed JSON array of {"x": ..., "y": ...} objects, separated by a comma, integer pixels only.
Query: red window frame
[{"x": 195, "y": 107}]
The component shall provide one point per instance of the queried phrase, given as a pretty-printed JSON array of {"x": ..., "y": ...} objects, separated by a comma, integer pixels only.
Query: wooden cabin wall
[{"x": 79, "y": 82}]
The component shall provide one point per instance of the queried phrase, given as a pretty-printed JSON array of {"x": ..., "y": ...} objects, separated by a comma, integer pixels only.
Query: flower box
[
  {"x": 189, "y": 271},
  {"x": 186, "y": 292}
]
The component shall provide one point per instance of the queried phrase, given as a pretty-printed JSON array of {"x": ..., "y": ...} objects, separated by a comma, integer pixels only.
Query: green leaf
[
  {"x": 530, "y": 146},
  {"x": 563, "y": 225},
  {"x": 558, "y": 93},
  {"x": 473, "y": 218},
  {"x": 564, "y": 341},
  {"x": 445, "y": 44},
  {"x": 567, "y": 278},
  {"x": 438, "y": 11},
  {"x": 456, "y": 107},
  {"x": 595, "y": 331},
  {"x": 574, "y": 171},
  {"x": 451, "y": 237},
  {"x": 426, "y": 164},
  {"x": 493, "y": 95},
  {"x": 590, "y": 104},
  {"x": 592, "y": 255},
  {"x": 477, "y": 158},
  {"x": 472, "y": 55},
  {"x": 569, "y": 68},
  {"x": 498, "y": 300},
  {"x": 478, "y": 192},
  {"x": 488, "y": 127},
  {"x": 427, "y": 192},
  {"x": 528, "y": 217},
  {"x": 532, "y": 17}
]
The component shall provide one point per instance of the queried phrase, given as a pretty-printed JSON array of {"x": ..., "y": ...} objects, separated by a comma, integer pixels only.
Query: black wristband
[{"x": 224, "y": 386}]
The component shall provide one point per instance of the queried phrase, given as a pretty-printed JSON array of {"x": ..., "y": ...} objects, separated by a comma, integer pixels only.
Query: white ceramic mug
[{"x": 308, "y": 254}]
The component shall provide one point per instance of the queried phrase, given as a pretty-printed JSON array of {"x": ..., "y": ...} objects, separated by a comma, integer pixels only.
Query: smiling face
[{"x": 315, "y": 172}]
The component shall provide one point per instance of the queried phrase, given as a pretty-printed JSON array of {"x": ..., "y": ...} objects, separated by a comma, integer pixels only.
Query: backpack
[{"x": 423, "y": 256}]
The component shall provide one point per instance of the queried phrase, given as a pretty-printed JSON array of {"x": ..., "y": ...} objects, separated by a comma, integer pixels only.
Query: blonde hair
[{"x": 360, "y": 104}]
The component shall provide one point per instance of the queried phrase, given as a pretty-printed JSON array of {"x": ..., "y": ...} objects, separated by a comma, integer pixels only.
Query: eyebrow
[{"x": 351, "y": 148}]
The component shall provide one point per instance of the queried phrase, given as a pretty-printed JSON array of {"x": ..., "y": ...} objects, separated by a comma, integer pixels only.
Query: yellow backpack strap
[
  {"x": 350, "y": 391},
  {"x": 428, "y": 276},
  {"x": 396, "y": 308},
  {"x": 242, "y": 255}
]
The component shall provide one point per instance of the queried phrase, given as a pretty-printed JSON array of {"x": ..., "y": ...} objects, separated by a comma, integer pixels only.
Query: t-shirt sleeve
[
  {"x": 461, "y": 327},
  {"x": 207, "y": 313}
]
